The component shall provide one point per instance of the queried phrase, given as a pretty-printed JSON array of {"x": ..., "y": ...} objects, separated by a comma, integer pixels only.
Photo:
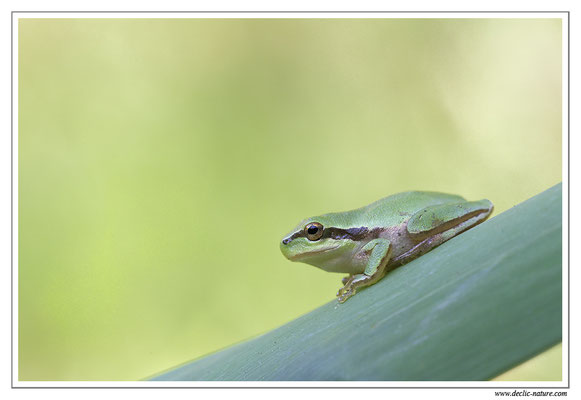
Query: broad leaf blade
[{"x": 468, "y": 310}]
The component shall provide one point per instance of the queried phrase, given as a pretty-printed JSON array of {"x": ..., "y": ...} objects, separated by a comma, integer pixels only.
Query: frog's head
[{"x": 318, "y": 241}]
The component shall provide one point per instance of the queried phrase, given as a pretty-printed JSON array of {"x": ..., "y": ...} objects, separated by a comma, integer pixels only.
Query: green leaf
[{"x": 470, "y": 309}]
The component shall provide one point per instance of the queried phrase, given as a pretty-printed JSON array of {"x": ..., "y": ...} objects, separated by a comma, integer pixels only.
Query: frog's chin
[{"x": 300, "y": 256}]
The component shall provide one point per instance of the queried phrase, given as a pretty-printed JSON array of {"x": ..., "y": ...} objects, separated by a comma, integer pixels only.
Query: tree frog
[{"x": 368, "y": 242}]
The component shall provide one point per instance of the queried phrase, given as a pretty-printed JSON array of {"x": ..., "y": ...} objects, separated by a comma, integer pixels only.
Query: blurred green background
[{"x": 161, "y": 161}]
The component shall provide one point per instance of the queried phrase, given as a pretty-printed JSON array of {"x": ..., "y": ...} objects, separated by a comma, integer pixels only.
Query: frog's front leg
[{"x": 379, "y": 253}]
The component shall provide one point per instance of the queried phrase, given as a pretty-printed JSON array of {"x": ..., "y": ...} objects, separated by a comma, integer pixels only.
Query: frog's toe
[
  {"x": 343, "y": 290},
  {"x": 345, "y": 295}
]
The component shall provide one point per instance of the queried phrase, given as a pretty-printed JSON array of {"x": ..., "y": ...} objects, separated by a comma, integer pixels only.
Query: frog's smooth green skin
[{"x": 369, "y": 241}]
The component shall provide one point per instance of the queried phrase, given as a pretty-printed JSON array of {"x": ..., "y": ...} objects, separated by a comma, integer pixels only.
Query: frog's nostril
[{"x": 286, "y": 241}]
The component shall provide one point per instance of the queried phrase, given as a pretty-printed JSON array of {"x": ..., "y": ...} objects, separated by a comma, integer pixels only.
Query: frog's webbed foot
[
  {"x": 342, "y": 298},
  {"x": 347, "y": 290},
  {"x": 351, "y": 283}
]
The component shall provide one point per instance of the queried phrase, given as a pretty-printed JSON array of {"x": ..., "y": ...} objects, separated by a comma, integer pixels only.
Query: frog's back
[
  {"x": 400, "y": 207},
  {"x": 389, "y": 211}
]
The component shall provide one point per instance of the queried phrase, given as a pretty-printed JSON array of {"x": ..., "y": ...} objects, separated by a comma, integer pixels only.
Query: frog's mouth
[{"x": 311, "y": 253}]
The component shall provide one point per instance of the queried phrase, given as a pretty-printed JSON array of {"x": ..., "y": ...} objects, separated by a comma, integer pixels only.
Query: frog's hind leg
[{"x": 433, "y": 225}]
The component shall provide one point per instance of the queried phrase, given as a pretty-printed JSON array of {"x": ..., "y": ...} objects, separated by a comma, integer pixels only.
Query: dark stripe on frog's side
[{"x": 355, "y": 234}]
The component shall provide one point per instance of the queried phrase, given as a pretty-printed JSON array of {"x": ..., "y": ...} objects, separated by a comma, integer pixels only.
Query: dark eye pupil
[{"x": 312, "y": 230}]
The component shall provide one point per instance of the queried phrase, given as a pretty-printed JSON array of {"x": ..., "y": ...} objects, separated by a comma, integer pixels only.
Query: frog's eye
[{"x": 314, "y": 231}]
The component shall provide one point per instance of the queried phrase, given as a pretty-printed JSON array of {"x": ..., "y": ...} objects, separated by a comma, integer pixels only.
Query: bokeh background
[{"x": 162, "y": 160}]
